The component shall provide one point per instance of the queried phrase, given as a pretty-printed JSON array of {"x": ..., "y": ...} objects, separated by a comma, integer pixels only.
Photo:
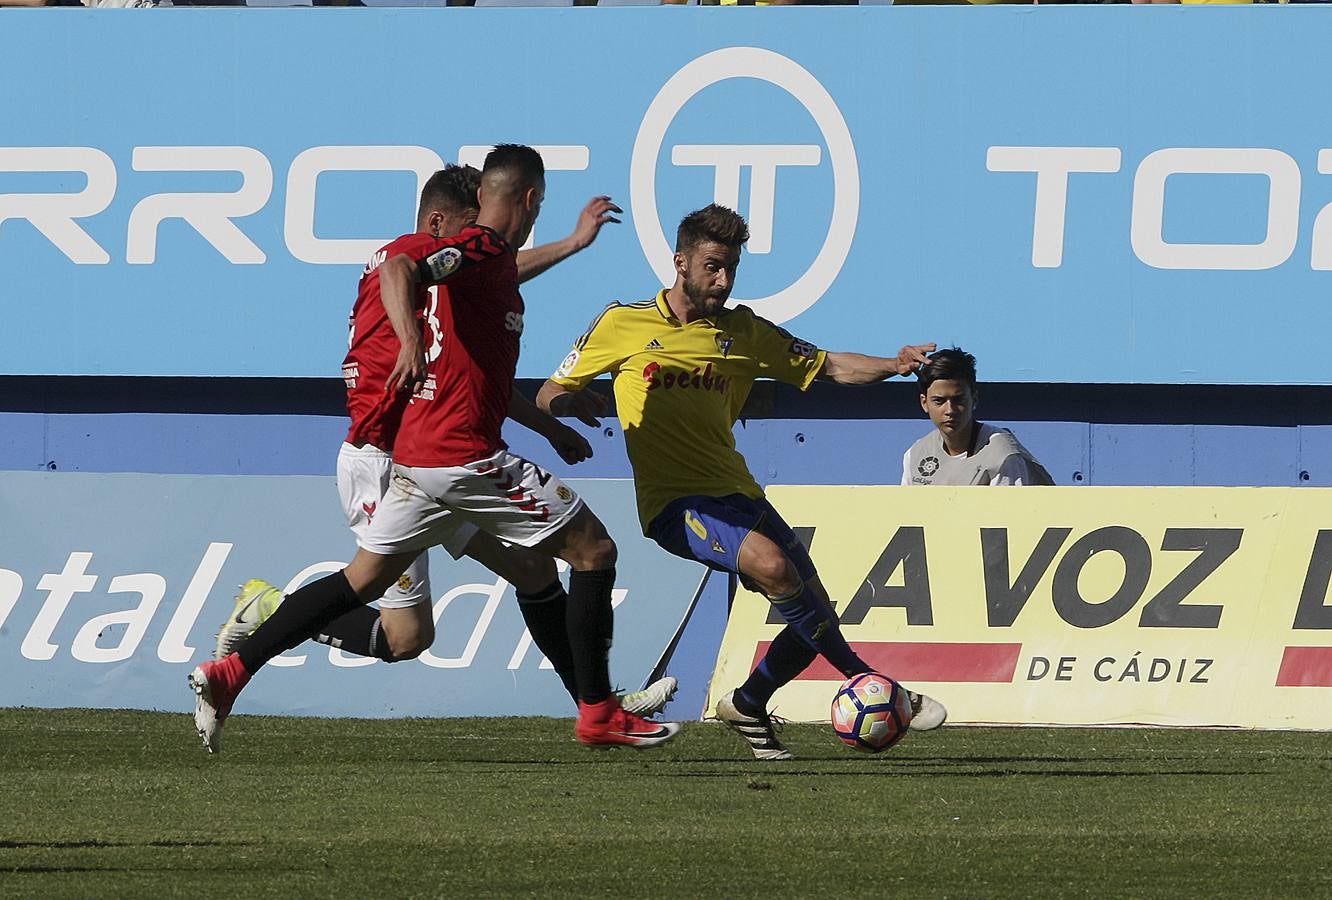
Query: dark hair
[
  {"x": 450, "y": 190},
  {"x": 953, "y": 364},
  {"x": 517, "y": 158},
  {"x": 711, "y": 223}
]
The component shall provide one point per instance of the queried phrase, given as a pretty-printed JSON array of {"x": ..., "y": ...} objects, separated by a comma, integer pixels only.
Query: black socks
[
  {"x": 301, "y": 614},
  {"x": 589, "y": 621}
]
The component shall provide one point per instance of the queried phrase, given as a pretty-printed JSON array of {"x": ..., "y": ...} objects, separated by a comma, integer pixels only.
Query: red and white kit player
[
  {"x": 452, "y": 469},
  {"x": 404, "y": 626}
]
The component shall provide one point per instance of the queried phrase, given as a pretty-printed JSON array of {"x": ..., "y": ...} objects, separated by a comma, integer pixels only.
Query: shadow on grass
[
  {"x": 53, "y": 870},
  {"x": 906, "y": 768},
  {"x": 1103, "y": 759},
  {"x": 884, "y": 766},
  {"x": 94, "y": 843}
]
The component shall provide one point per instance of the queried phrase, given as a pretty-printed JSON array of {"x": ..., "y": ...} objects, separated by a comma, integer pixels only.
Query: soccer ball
[{"x": 871, "y": 712}]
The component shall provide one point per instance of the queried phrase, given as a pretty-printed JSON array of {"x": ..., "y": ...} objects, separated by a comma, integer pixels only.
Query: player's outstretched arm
[
  {"x": 571, "y": 446},
  {"x": 397, "y": 279},
  {"x": 857, "y": 368},
  {"x": 585, "y": 406},
  {"x": 598, "y": 212}
]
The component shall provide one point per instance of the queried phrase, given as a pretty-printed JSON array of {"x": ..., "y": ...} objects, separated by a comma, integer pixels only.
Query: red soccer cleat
[
  {"x": 215, "y": 686},
  {"x": 606, "y": 724}
]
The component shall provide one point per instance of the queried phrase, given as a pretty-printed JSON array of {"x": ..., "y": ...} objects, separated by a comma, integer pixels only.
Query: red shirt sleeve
[{"x": 443, "y": 257}]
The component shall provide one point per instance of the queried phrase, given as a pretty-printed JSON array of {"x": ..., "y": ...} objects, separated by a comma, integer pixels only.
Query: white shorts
[
  {"x": 363, "y": 479},
  {"x": 503, "y": 495}
]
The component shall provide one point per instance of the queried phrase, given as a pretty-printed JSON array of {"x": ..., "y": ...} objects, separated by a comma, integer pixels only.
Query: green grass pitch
[{"x": 115, "y": 803}]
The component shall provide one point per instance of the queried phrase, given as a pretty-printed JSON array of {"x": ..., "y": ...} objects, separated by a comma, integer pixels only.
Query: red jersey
[
  {"x": 474, "y": 318},
  {"x": 372, "y": 351}
]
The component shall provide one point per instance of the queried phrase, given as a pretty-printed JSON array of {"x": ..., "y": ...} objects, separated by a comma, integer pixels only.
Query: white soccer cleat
[
  {"x": 216, "y": 685},
  {"x": 208, "y": 718},
  {"x": 255, "y": 602},
  {"x": 927, "y": 713},
  {"x": 760, "y": 732},
  {"x": 652, "y": 699}
]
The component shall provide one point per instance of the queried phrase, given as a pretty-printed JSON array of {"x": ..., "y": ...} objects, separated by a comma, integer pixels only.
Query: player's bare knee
[
  {"x": 774, "y": 574},
  {"x": 600, "y": 554},
  {"x": 410, "y": 646},
  {"x": 588, "y": 553},
  {"x": 584, "y": 543},
  {"x": 408, "y": 651},
  {"x": 532, "y": 572},
  {"x": 409, "y": 631}
]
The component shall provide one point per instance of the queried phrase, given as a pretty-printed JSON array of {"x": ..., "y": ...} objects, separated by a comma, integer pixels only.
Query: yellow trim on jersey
[{"x": 679, "y": 389}]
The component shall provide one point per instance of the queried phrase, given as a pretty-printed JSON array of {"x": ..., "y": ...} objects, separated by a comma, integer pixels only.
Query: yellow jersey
[{"x": 679, "y": 389}]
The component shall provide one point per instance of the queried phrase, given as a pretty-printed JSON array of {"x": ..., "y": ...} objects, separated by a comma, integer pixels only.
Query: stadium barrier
[
  {"x": 112, "y": 588},
  {"x": 1158, "y": 606},
  {"x": 219, "y": 230},
  {"x": 908, "y": 173}
]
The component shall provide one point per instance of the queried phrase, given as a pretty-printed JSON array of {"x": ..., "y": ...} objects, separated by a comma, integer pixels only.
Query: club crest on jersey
[
  {"x": 568, "y": 365},
  {"x": 928, "y": 466},
  {"x": 724, "y": 342},
  {"x": 443, "y": 263}
]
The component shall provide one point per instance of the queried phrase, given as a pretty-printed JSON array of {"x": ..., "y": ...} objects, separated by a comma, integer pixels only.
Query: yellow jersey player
[{"x": 683, "y": 364}]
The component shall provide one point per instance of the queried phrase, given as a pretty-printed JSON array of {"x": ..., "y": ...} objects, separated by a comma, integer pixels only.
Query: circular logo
[
  {"x": 778, "y": 70},
  {"x": 568, "y": 365},
  {"x": 442, "y": 263},
  {"x": 928, "y": 466}
]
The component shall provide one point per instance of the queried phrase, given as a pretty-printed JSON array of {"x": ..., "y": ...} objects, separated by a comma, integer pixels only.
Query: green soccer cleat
[
  {"x": 650, "y": 700},
  {"x": 254, "y": 604}
]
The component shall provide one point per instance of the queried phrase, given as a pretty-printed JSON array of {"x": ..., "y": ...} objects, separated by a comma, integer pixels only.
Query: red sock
[
  {"x": 234, "y": 671},
  {"x": 600, "y": 711}
]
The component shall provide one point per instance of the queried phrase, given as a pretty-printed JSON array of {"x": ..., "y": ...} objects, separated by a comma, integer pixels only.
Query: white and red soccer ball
[{"x": 871, "y": 712}]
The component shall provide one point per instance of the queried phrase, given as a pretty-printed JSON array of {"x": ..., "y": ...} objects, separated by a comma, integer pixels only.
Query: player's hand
[
  {"x": 598, "y": 212},
  {"x": 569, "y": 444},
  {"x": 585, "y": 406},
  {"x": 409, "y": 371},
  {"x": 912, "y": 357}
]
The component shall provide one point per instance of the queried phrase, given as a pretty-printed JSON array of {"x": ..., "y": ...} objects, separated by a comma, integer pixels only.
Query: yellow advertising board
[{"x": 1074, "y": 606}]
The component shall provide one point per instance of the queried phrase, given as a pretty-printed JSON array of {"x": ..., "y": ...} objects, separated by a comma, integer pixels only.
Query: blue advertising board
[
  {"x": 1098, "y": 194},
  {"x": 112, "y": 588}
]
